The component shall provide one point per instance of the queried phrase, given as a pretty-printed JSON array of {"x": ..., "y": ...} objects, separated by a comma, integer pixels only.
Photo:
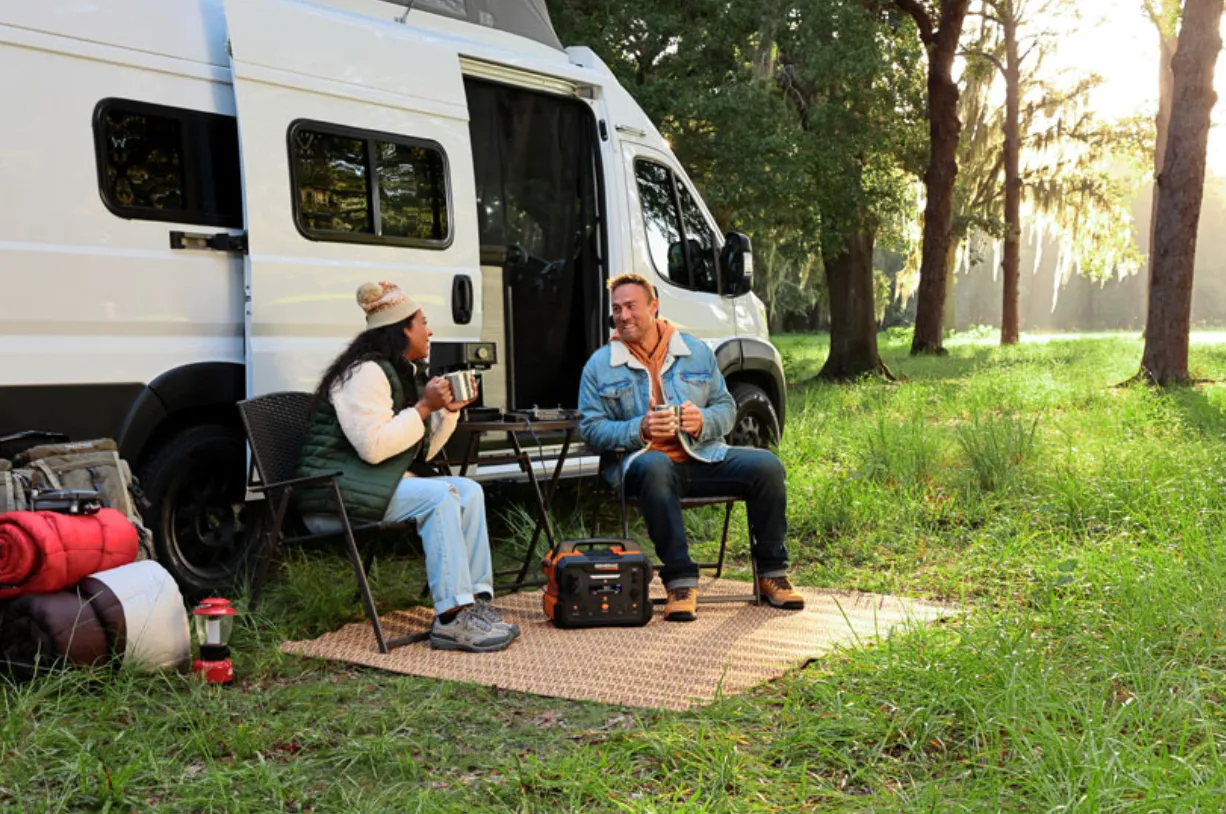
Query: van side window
[
  {"x": 357, "y": 186},
  {"x": 700, "y": 242},
  {"x": 331, "y": 173},
  {"x": 661, "y": 220},
  {"x": 168, "y": 163},
  {"x": 670, "y": 211}
]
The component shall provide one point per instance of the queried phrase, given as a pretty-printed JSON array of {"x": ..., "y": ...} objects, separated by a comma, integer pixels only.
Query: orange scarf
[{"x": 653, "y": 360}]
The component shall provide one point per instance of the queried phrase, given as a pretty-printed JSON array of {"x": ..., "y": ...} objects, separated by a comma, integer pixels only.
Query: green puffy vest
[{"x": 367, "y": 488}]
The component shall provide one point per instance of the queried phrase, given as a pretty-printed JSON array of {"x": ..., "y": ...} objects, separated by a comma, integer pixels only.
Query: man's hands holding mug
[{"x": 663, "y": 421}]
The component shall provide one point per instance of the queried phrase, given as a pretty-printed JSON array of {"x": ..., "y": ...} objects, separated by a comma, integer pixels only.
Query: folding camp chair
[
  {"x": 276, "y": 425},
  {"x": 727, "y": 501}
]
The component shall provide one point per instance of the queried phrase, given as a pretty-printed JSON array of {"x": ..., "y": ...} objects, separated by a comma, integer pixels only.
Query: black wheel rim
[
  {"x": 205, "y": 521},
  {"x": 750, "y": 431}
]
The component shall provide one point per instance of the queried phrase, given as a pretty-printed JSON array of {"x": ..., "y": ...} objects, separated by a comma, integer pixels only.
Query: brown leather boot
[
  {"x": 779, "y": 593},
  {"x": 682, "y": 605}
]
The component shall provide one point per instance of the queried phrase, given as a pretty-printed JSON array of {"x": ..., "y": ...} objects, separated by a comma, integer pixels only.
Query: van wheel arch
[
  {"x": 753, "y": 361},
  {"x": 184, "y": 419}
]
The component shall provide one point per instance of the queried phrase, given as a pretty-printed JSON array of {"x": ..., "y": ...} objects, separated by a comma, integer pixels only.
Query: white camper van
[{"x": 192, "y": 190}]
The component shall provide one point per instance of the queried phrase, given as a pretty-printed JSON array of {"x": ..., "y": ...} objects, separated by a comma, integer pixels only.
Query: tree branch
[
  {"x": 985, "y": 16},
  {"x": 1028, "y": 52},
  {"x": 922, "y": 21},
  {"x": 985, "y": 55}
]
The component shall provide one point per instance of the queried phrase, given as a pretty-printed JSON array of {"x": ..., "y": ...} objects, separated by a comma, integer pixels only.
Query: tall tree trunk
[
  {"x": 949, "y": 313},
  {"x": 853, "y": 327},
  {"x": 1167, "y": 45},
  {"x": 949, "y": 319},
  {"x": 1181, "y": 188},
  {"x": 944, "y": 130},
  {"x": 1162, "y": 126},
  {"x": 1165, "y": 16},
  {"x": 1011, "y": 267}
]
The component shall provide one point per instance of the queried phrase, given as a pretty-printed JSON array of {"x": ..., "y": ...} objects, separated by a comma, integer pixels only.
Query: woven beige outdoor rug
[{"x": 665, "y": 665}]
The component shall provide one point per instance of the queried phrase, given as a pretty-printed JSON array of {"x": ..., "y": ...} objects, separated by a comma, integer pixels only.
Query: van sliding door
[
  {"x": 356, "y": 166},
  {"x": 537, "y": 192}
]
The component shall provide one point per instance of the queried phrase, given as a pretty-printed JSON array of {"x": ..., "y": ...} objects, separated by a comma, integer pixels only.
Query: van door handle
[
  {"x": 220, "y": 242},
  {"x": 462, "y": 299}
]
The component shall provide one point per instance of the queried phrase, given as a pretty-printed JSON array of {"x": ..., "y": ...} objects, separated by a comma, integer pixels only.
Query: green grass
[{"x": 1081, "y": 525}]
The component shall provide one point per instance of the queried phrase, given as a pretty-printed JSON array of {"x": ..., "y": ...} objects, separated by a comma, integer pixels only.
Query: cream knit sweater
[{"x": 363, "y": 406}]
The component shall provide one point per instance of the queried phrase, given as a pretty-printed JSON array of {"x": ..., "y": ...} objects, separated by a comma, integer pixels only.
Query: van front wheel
[
  {"x": 196, "y": 484},
  {"x": 756, "y": 423}
]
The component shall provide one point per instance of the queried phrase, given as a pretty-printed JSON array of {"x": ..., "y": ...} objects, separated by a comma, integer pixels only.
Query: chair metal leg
[
  {"x": 753, "y": 564},
  {"x": 723, "y": 541},
  {"x": 621, "y": 491},
  {"x": 599, "y": 490},
  {"x": 754, "y": 598},
  {"x": 273, "y": 546},
  {"x": 368, "y": 562},
  {"x": 355, "y": 557},
  {"x": 542, "y": 511}
]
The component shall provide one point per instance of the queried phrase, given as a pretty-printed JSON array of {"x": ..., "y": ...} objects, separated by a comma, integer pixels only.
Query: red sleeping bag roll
[{"x": 42, "y": 552}]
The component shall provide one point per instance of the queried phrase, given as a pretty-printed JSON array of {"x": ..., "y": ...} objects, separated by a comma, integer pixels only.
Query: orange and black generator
[{"x": 597, "y": 582}]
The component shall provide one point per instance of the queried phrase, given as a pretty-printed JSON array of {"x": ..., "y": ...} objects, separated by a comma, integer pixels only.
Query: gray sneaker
[
  {"x": 486, "y": 610},
  {"x": 467, "y": 630}
]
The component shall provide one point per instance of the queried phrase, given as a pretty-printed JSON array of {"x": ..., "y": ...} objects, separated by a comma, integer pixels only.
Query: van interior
[{"x": 538, "y": 188}]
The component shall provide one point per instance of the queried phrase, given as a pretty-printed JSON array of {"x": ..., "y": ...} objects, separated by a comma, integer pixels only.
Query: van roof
[
  {"x": 195, "y": 30},
  {"x": 527, "y": 18}
]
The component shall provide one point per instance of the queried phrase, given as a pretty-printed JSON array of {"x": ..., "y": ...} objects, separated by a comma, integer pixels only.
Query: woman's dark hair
[{"x": 388, "y": 343}]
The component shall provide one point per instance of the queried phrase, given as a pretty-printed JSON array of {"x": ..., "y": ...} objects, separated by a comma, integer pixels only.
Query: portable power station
[{"x": 597, "y": 582}]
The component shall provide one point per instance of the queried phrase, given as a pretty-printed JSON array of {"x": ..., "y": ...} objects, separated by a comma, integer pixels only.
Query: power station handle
[{"x": 629, "y": 546}]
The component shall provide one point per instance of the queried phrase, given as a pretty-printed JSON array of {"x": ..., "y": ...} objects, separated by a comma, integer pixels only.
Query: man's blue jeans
[
  {"x": 754, "y": 474},
  {"x": 450, "y": 515}
]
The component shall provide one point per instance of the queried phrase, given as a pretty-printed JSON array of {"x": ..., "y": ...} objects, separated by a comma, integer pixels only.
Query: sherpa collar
[{"x": 619, "y": 354}]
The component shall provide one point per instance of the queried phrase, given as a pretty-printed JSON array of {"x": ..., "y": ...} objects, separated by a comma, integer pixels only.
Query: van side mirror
[{"x": 736, "y": 264}]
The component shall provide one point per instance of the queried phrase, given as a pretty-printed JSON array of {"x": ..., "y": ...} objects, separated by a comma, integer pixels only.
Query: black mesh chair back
[{"x": 276, "y": 424}]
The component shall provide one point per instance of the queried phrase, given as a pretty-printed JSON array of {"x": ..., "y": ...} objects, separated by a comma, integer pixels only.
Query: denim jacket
[{"x": 615, "y": 392}]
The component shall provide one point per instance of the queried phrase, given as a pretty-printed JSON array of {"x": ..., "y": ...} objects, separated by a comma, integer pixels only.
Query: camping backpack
[
  {"x": 84, "y": 466},
  {"x": 14, "y": 488}
]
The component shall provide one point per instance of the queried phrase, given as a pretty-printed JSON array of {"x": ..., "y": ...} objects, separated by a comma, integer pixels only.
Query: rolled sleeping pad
[
  {"x": 133, "y": 613},
  {"x": 141, "y": 606}
]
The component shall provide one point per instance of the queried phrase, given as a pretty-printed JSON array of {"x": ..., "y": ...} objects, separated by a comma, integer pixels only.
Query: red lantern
[{"x": 214, "y": 620}]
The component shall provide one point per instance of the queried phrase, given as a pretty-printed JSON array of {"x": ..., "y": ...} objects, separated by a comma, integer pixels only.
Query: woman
[{"x": 373, "y": 422}]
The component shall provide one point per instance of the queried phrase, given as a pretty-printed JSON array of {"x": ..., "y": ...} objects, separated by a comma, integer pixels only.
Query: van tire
[
  {"x": 756, "y": 424},
  {"x": 196, "y": 484}
]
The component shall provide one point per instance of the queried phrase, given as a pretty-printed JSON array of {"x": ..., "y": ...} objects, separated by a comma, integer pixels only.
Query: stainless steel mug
[
  {"x": 463, "y": 384},
  {"x": 675, "y": 409}
]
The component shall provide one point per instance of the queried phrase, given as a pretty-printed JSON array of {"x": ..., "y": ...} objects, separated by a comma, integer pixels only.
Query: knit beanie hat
[{"x": 385, "y": 304}]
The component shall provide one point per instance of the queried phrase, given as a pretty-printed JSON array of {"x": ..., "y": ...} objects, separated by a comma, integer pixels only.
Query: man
[{"x": 647, "y": 364}]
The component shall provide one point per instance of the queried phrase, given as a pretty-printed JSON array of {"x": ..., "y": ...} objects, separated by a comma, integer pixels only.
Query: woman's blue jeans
[{"x": 450, "y": 515}]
